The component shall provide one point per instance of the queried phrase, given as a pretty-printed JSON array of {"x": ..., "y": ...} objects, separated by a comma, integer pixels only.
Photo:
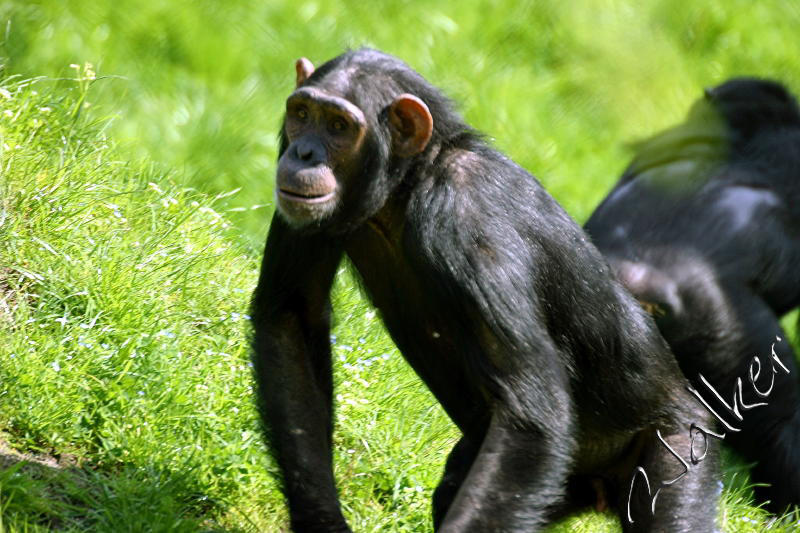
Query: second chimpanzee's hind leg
[{"x": 770, "y": 434}]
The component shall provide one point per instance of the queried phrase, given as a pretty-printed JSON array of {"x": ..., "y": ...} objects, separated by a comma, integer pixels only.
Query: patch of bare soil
[
  {"x": 14, "y": 290},
  {"x": 36, "y": 461}
]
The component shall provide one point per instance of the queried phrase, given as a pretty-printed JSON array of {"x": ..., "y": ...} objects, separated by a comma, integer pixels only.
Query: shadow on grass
[{"x": 40, "y": 492}]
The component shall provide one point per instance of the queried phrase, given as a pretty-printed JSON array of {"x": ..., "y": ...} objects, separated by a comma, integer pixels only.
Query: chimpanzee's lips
[{"x": 305, "y": 198}]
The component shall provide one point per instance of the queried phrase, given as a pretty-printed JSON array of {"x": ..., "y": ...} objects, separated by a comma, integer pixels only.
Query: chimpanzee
[
  {"x": 554, "y": 374},
  {"x": 704, "y": 228}
]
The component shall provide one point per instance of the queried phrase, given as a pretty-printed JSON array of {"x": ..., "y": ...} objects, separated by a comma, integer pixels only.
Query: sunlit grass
[{"x": 123, "y": 314}]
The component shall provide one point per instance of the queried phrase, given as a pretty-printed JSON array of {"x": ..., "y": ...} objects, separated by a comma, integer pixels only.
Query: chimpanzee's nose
[
  {"x": 304, "y": 152},
  {"x": 307, "y": 150}
]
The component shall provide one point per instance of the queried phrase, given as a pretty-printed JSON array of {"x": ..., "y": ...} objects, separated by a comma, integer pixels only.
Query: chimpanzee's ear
[
  {"x": 411, "y": 125},
  {"x": 304, "y": 69}
]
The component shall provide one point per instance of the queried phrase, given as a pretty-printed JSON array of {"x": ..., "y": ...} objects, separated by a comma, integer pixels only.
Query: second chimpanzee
[
  {"x": 704, "y": 228},
  {"x": 554, "y": 374}
]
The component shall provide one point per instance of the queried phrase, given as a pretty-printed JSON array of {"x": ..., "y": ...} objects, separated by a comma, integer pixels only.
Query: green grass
[{"x": 129, "y": 239}]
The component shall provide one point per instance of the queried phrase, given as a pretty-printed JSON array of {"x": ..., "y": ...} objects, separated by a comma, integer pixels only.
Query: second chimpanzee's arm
[{"x": 292, "y": 362}]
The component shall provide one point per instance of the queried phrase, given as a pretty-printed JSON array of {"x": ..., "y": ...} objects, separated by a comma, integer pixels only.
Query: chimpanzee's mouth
[{"x": 307, "y": 198}]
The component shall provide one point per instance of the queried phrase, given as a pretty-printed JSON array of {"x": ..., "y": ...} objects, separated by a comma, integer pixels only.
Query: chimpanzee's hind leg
[{"x": 675, "y": 490}]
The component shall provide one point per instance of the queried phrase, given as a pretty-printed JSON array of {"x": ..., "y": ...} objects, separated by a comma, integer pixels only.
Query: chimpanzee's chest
[
  {"x": 435, "y": 340},
  {"x": 422, "y": 329}
]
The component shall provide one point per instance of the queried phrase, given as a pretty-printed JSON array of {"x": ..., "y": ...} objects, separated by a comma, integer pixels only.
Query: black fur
[
  {"x": 704, "y": 225},
  {"x": 551, "y": 370}
]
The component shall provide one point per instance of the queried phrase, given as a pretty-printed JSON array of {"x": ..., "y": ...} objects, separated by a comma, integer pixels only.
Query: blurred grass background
[
  {"x": 136, "y": 192},
  {"x": 198, "y": 85}
]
